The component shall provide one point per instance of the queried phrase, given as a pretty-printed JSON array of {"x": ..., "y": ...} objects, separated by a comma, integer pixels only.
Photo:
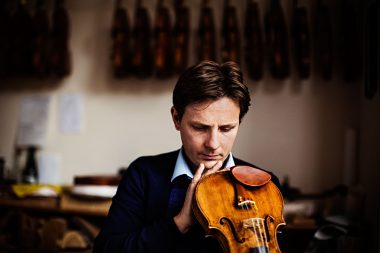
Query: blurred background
[{"x": 86, "y": 85}]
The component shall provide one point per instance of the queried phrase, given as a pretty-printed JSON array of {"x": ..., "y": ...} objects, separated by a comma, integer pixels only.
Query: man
[{"x": 151, "y": 211}]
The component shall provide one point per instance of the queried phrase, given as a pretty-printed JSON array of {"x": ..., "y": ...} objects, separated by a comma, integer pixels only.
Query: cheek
[
  {"x": 228, "y": 140},
  {"x": 191, "y": 140}
]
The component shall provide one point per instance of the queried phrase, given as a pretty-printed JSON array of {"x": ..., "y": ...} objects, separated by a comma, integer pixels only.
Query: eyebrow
[{"x": 224, "y": 125}]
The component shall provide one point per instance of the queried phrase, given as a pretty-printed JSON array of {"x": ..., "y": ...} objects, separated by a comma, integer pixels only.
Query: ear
[{"x": 175, "y": 118}]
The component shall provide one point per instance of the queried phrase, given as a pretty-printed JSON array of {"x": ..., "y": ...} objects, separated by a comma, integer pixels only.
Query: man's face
[{"x": 208, "y": 130}]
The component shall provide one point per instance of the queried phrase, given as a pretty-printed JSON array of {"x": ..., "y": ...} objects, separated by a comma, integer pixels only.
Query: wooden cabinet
[{"x": 50, "y": 224}]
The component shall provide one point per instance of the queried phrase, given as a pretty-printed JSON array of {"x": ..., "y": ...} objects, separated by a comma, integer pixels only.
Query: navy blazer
[{"x": 137, "y": 220}]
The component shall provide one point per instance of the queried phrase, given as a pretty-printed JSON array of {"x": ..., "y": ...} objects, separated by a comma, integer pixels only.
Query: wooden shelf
[{"x": 65, "y": 204}]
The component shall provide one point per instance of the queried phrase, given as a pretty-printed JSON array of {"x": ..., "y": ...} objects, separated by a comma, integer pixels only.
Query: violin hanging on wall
[
  {"x": 371, "y": 81},
  {"x": 277, "y": 40},
  {"x": 206, "y": 33},
  {"x": 323, "y": 41},
  {"x": 181, "y": 37},
  {"x": 230, "y": 34},
  {"x": 120, "y": 57},
  {"x": 301, "y": 38},
  {"x": 21, "y": 41},
  {"x": 41, "y": 34},
  {"x": 162, "y": 42},
  {"x": 253, "y": 45},
  {"x": 142, "y": 57},
  {"x": 242, "y": 208},
  {"x": 5, "y": 41},
  {"x": 60, "y": 55},
  {"x": 351, "y": 55}
]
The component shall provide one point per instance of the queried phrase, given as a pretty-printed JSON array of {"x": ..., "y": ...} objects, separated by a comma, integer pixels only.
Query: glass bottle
[{"x": 30, "y": 172}]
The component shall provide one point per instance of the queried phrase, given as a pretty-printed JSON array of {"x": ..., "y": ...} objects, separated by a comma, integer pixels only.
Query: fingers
[
  {"x": 184, "y": 220},
  {"x": 199, "y": 172},
  {"x": 214, "y": 168},
  {"x": 202, "y": 171}
]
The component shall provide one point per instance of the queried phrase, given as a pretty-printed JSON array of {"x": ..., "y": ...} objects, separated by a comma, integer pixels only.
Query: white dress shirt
[{"x": 182, "y": 168}]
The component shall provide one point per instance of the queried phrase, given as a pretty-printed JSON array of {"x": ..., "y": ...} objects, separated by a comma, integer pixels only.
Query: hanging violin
[{"x": 242, "y": 208}]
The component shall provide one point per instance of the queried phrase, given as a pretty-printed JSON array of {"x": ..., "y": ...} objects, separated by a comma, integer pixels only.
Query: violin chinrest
[{"x": 250, "y": 176}]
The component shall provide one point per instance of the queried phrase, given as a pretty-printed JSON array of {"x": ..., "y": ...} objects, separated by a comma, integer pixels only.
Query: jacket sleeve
[{"x": 126, "y": 228}]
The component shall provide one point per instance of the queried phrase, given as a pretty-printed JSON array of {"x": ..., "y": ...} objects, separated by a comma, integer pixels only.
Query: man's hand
[{"x": 184, "y": 219}]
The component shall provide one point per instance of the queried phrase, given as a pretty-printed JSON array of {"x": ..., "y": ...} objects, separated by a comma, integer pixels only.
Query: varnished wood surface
[
  {"x": 215, "y": 199},
  {"x": 64, "y": 204}
]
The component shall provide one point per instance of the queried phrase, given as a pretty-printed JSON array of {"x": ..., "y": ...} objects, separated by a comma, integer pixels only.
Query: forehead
[{"x": 222, "y": 109}]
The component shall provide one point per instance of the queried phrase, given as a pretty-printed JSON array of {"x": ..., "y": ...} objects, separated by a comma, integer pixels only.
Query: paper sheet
[
  {"x": 71, "y": 114},
  {"x": 33, "y": 120},
  {"x": 49, "y": 168}
]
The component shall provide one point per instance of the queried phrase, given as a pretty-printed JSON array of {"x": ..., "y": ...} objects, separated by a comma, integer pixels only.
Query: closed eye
[
  {"x": 199, "y": 128},
  {"x": 226, "y": 129}
]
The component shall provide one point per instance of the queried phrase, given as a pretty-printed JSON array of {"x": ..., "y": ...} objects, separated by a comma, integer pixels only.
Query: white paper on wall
[
  {"x": 71, "y": 114},
  {"x": 49, "y": 168},
  {"x": 33, "y": 120}
]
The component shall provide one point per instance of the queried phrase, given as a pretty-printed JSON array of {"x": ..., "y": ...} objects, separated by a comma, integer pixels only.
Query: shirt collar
[{"x": 182, "y": 168}]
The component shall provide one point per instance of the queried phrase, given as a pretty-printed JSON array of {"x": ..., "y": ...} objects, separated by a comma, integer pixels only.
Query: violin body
[
  {"x": 242, "y": 218},
  {"x": 181, "y": 37},
  {"x": 142, "y": 57},
  {"x": 230, "y": 34},
  {"x": 301, "y": 42},
  {"x": 206, "y": 33},
  {"x": 60, "y": 56},
  {"x": 277, "y": 40},
  {"x": 323, "y": 41},
  {"x": 253, "y": 40},
  {"x": 120, "y": 48},
  {"x": 162, "y": 42}
]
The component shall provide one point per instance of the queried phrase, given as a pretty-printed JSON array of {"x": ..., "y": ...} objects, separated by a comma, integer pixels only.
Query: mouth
[{"x": 210, "y": 157}]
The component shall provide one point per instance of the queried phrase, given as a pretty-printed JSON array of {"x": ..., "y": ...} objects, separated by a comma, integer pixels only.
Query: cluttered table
[{"x": 55, "y": 199}]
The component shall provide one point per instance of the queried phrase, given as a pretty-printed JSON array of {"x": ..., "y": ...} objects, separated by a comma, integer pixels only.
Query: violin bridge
[{"x": 246, "y": 203}]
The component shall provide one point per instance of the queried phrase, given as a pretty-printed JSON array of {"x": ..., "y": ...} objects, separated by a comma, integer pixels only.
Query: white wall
[{"x": 293, "y": 128}]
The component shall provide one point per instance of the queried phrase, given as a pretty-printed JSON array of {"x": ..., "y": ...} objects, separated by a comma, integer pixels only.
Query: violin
[
  {"x": 142, "y": 57},
  {"x": 162, "y": 41},
  {"x": 277, "y": 40},
  {"x": 323, "y": 41},
  {"x": 242, "y": 208},
  {"x": 181, "y": 34},
  {"x": 301, "y": 40},
  {"x": 230, "y": 34},
  {"x": 60, "y": 55},
  {"x": 253, "y": 41},
  {"x": 120, "y": 35},
  {"x": 206, "y": 33},
  {"x": 41, "y": 31}
]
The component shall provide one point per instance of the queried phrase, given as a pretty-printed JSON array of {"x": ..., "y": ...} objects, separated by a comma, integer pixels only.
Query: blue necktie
[{"x": 177, "y": 194}]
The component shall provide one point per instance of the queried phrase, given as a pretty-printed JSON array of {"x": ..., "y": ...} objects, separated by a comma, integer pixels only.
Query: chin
[{"x": 209, "y": 164}]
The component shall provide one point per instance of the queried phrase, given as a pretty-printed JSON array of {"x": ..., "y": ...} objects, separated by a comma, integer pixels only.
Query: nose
[{"x": 212, "y": 141}]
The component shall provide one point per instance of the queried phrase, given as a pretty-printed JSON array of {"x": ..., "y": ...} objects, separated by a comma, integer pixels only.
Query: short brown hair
[{"x": 209, "y": 80}]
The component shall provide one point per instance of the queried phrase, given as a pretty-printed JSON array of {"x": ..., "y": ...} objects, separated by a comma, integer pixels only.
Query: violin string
[
  {"x": 256, "y": 225},
  {"x": 260, "y": 226},
  {"x": 265, "y": 242},
  {"x": 262, "y": 233},
  {"x": 265, "y": 234},
  {"x": 255, "y": 232}
]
